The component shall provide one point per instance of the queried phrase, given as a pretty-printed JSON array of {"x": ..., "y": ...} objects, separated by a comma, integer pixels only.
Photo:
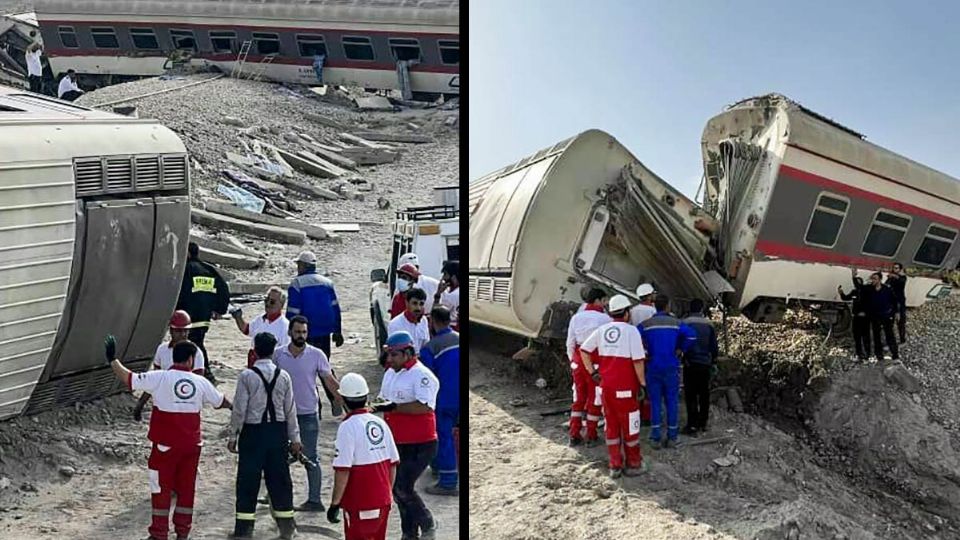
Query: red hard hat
[
  {"x": 410, "y": 270},
  {"x": 180, "y": 320}
]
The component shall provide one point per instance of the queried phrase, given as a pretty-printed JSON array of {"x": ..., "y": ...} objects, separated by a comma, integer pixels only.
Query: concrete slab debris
[
  {"x": 370, "y": 156},
  {"x": 319, "y": 160},
  {"x": 319, "y": 90},
  {"x": 332, "y": 155},
  {"x": 325, "y": 120},
  {"x": 306, "y": 165},
  {"x": 240, "y": 288},
  {"x": 233, "y": 121},
  {"x": 227, "y": 209},
  {"x": 374, "y": 103},
  {"x": 221, "y": 222},
  {"x": 341, "y": 227},
  {"x": 230, "y": 245},
  {"x": 229, "y": 260},
  {"x": 360, "y": 141},
  {"x": 394, "y": 137}
]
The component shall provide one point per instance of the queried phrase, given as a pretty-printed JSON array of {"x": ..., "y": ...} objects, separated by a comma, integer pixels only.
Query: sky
[{"x": 652, "y": 73}]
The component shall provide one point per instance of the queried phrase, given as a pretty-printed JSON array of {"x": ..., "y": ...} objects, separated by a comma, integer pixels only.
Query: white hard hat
[
  {"x": 408, "y": 258},
  {"x": 645, "y": 289},
  {"x": 306, "y": 257},
  {"x": 353, "y": 385},
  {"x": 618, "y": 303}
]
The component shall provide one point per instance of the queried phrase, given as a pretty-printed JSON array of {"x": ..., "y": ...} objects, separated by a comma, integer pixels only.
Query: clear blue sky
[{"x": 652, "y": 73}]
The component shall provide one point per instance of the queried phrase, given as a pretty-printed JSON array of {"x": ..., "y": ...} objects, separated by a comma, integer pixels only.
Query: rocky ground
[
  {"x": 828, "y": 447},
  {"x": 81, "y": 473},
  {"x": 15, "y": 6}
]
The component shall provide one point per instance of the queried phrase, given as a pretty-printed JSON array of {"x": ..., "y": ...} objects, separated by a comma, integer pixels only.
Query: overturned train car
[
  {"x": 94, "y": 219},
  {"x": 792, "y": 201}
]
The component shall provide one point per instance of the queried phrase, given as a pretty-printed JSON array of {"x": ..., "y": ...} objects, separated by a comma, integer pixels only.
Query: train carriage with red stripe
[
  {"x": 361, "y": 41},
  {"x": 802, "y": 199}
]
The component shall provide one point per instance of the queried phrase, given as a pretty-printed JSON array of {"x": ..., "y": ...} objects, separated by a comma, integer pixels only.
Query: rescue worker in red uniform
[
  {"x": 586, "y": 398},
  {"x": 613, "y": 355},
  {"x": 178, "y": 396},
  {"x": 365, "y": 466}
]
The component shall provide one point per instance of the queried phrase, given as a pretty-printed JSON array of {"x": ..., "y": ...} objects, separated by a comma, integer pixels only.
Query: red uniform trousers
[
  {"x": 172, "y": 470},
  {"x": 372, "y": 528},
  {"x": 622, "y": 413},
  {"x": 586, "y": 402}
]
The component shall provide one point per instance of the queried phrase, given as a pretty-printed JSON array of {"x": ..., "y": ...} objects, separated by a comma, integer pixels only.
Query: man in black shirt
[
  {"x": 204, "y": 293},
  {"x": 882, "y": 305},
  {"x": 861, "y": 322},
  {"x": 897, "y": 280}
]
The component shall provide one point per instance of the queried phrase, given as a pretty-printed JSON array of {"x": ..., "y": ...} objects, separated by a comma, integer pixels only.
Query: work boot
[
  {"x": 670, "y": 443},
  {"x": 310, "y": 506},
  {"x": 575, "y": 441},
  {"x": 182, "y": 537},
  {"x": 637, "y": 471},
  {"x": 689, "y": 430},
  {"x": 430, "y": 531},
  {"x": 243, "y": 528},
  {"x": 591, "y": 443},
  {"x": 287, "y": 527},
  {"x": 656, "y": 444},
  {"x": 615, "y": 473},
  {"x": 440, "y": 490}
]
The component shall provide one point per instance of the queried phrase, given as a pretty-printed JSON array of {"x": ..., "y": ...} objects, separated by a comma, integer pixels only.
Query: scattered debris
[
  {"x": 233, "y": 121},
  {"x": 374, "y": 103},
  {"x": 219, "y": 221},
  {"x": 394, "y": 137},
  {"x": 227, "y": 209}
]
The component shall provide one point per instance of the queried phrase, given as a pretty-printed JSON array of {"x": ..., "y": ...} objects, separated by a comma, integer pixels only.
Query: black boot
[
  {"x": 243, "y": 528},
  {"x": 287, "y": 527}
]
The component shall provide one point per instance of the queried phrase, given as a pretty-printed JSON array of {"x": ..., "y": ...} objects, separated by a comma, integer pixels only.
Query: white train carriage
[
  {"x": 802, "y": 199},
  {"x": 361, "y": 40},
  {"x": 94, "y": 219},
  {"x": 580, "y": 213}
]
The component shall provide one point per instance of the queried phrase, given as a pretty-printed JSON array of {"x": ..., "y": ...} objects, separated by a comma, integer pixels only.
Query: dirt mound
[{"x": 890, "y": 437}]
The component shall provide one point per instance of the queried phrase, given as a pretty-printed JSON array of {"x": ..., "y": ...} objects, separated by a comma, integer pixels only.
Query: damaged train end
[
  {"x": 94, "y": 220},
  {"x": 581, "y": 213},
  {"x": 801, "y": 200}
]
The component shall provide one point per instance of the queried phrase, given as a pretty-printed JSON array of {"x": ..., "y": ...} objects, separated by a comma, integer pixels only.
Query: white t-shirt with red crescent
[
  {"x": 581, "y": 326},
  {"x": 414, "y": 382},
  {"x": 614, "y": 347},
  {"x": 366, "y": 448},
  {"x": 178, "y": 396}
]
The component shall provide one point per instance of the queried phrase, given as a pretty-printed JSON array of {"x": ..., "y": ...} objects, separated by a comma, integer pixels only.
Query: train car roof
[
  {"x": 439, "y": 12},
  {"x": 818, "y": 134},
  {"x": 19, "y": 106}
]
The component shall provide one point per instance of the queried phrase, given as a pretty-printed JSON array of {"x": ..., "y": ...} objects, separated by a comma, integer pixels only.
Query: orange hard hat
[
  {"x": 180, "y": 320},
  {"x": 410, "y": 270}
]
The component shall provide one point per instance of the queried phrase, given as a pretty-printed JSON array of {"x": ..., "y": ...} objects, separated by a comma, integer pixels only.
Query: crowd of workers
[
  {"x": 628, "y": 361},
  {"x": 275, "y": 418}
]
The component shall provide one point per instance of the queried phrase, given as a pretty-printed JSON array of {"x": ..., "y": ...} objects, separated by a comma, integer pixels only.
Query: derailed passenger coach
[
  {"x": 791, "y": 202},
  {"x": 362, "y": 42},
  {"x": 94, "y": 219}
]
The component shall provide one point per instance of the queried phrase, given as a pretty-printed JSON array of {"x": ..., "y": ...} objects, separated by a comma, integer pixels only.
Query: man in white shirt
[
  {"x": 34, "y": 66},
  {"x": 586, "y": 399},
  {"x": 428, "y": 283},
  {"x": 272, "y": 321},
  {"x": 180, "y": 325},
  {"x": 448, "y": 294},
  {"x": 68, "y": 90},
  {"x": 644, "y": 310},
  {"x": 412, "y": 320}
]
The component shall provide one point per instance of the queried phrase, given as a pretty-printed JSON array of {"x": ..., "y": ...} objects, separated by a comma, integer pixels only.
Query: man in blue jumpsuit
[
  {"x": 442, "y": 355},
  {"x": 663, "y": 337}
]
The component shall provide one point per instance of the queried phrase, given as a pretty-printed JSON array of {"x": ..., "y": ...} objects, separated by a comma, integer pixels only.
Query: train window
[
  {"x": 266, "y": 43},
  {"x": 105, "y": 38},
  {"x": 827, "y": 220},
  {"x": 886, "y": 233},
  {"x": 358, "y": 48},
  {"x": 449, "y": 51},
  {"x": 936, "y": 243},
  {"x": 223, "y": 40},
  {"x": 311, "y": 45},
  {"x": 183, "y": 39},
  {"x": 404, "y": 49},
  {"x": 68, "y": 37},
  {"x": 144, "y": 38}
]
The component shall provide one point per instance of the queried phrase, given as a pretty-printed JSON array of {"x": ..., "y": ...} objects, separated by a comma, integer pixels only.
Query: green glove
[{"x": 110, "y": 348}]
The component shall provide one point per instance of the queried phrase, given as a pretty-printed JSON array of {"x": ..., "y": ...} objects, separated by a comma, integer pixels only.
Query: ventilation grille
[
  {"x": 126, "y": 174},
  {"x": 174, "y": 171},
  {"x": 89, "y": 176},
  {"x": 491, "y": 289},
  {"x": 119, "y": 174},
  {"x": 148, "y": 172}
]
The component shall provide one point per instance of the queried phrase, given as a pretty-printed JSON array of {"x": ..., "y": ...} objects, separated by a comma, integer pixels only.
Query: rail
[{"x": 158, "y": 92}]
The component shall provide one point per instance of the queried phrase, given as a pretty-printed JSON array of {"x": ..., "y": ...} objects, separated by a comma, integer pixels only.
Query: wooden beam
[{"x": 219, "y": 221}]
